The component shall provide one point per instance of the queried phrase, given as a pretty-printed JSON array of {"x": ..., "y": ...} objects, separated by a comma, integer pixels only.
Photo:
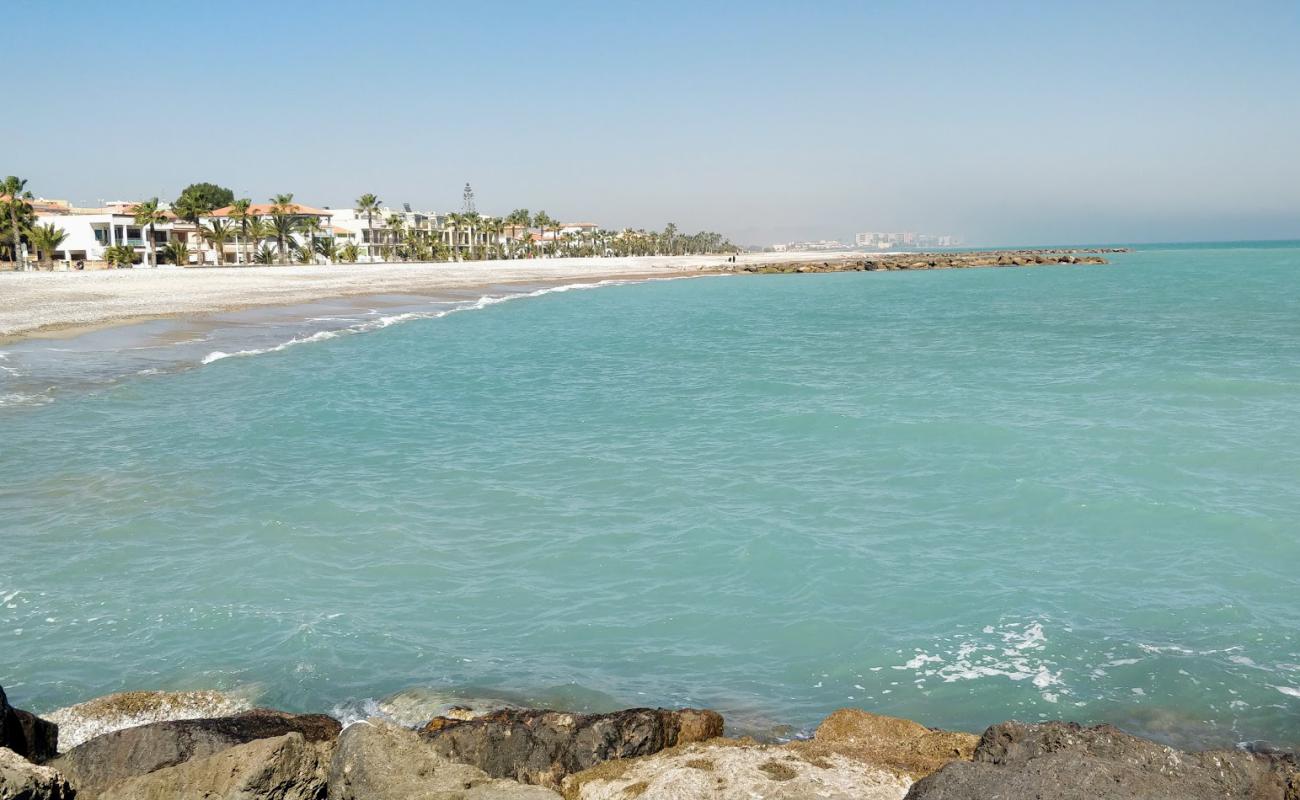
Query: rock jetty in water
[
  {"x": 892, "y": 262},
  {"x": 535, "y": 754}
]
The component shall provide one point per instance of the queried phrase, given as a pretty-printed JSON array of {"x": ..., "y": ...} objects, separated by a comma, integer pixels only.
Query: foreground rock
[
  {"x": 26, "y": 734},
  {"x": 20, "y": 779},
  {"x": 85, "y": 721},
  {"x": 1064, "y": 761},
  {"x": 281, "y": 768},
  {"x": 901, "y": 745},
  {"x": 543, "y": 747},
  {"x": 853, "y": 755},
  {"x": 726, "y": 769},
  {"x": 377, "y": 760},
  {"x": 95, "y": 766}
]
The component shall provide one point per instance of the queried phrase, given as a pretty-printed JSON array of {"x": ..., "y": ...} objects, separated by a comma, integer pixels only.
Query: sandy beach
[{"x": 47, "y": 303}]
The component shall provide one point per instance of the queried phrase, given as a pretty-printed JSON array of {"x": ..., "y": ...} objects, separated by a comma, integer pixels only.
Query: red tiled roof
[{"x": 264, "y": 210}]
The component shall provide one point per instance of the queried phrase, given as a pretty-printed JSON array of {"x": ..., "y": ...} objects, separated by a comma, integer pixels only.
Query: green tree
[
  {"x": 147, "y": 215},
  {"x": 311, "y": 227},
  {"x": 265, "y": 255},
  {"x": 205, "y": 195},
  {"x": 176, "y": 252},
  {"x": 119, "y": 255},
  {"x": 368, "y": 204},
  {"x": 239, "y": 213},
  {"x": 283, "y": 223},
  {"x": 46, "y": 239},
  {"x": 16, "y": 207},
  {"x": 349, "y": 253},
  {"x": 328, "y": 248},
  {"x": 216, "y": 233}
]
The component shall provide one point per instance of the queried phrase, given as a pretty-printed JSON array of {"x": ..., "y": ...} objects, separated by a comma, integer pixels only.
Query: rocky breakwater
[
  {"x": 530, "y": 754},
  {"x": 892, "y": 262}
]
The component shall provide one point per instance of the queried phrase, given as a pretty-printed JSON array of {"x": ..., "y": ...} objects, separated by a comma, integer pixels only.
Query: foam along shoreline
[
  {"x": 384, "y": 321},
  {"x": 68, "y": 303}
]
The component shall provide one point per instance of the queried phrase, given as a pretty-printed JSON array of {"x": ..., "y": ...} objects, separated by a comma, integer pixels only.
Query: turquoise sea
[{"x": 956, "y": 496}]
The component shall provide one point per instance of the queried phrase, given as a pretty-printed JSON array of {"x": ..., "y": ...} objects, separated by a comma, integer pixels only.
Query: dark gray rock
[
  {"x": 26, "y": 734},
  {"x": 105, "y": 760},
  {"x": 1064, "y": 761},
  {"x": 542, "y": 747},
  {"x": 20, "y": 779}
]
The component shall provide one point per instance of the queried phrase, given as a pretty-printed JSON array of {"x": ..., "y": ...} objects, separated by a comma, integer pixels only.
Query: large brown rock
[
  {"x": 26, "y": 734},
  {"x": 542, "y": 747},
  {"x": 377, "y": 760},
  {"x": 280, "y": 768},
  {"x": 736, "y": 769},
  {"x": 20, "y": 779},
  {"x": 1064, "y": 761},
  {"x": 105, "y": 760},
  {"x": 84, "y": 721},
  {"x": 906, "y": 747},
  {"x": 854, "y": 755}
]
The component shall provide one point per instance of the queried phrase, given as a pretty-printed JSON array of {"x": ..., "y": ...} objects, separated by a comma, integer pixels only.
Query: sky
[{"x": 1005, "y": 123}]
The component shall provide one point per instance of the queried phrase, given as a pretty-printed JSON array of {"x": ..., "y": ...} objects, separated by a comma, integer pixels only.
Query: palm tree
[
  {"x": 46, "y": 239},
  {"x": 557, "y": 226},
  {"x": 176, "y": 252},
  {"x": 349, "y": 253},
  {"x": 239, "y": 213},
  {"x": 455, "y": 223},
  {"x": 148, "y": 214},
  {"x": 217, "y": 233},
  {"x": 191, "y": 208},
  {"x": 283, "y": 223},
  {"x": 15, "y": 188},
  {"x": 368, "y": 204},
  {"x": 258, "y": 231},
  {"x": 328, "y": 248},
  {"x": 394, "y": 224},
  {"x": 265, "y": 255},
  {"x": 543, "y": 222},
  {"x": 311, "y": 227}
]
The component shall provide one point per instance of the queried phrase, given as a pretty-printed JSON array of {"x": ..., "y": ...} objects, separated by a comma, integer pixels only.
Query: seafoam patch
[{"x": 1012, "y": 650}]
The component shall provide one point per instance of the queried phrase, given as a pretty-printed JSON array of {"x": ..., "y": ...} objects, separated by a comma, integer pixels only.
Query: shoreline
[{"x": 61, "y": 305}]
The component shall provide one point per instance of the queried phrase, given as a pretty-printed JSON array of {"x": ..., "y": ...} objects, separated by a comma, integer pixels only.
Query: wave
[{"x": 393, "y": 319}]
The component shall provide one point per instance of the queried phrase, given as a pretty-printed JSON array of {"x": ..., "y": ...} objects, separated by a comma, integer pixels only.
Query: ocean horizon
[{"x": 957, "y": 496}]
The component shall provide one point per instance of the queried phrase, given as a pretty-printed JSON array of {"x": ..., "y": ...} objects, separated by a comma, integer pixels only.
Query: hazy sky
[{"x": 1031, "y": 122}]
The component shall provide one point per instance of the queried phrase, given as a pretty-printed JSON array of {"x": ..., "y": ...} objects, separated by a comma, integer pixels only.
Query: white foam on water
[
  {"x": 393, "y": 319},
  {"x": 1010, "y": 651},
  {"x": 1289, "y": 691}
]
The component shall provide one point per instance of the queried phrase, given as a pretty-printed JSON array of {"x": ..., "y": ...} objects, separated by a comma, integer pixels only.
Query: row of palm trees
[{"x": 284, "y": 234}]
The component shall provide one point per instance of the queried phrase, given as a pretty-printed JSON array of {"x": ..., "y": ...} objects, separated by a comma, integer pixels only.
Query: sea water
[{"x": 957, "y": 496}]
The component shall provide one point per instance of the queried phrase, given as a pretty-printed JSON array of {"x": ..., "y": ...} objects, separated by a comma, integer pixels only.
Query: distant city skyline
[{"x": 769, "y": 122}]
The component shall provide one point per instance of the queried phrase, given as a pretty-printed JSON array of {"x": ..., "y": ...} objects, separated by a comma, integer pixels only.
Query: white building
[{"x": 89, "y": 234}]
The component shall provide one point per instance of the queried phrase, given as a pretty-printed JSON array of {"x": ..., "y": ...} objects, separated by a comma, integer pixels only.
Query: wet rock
[
  {"x": 728, "y": 769},
  {"x": 542, "y": 747},
  {"x": 1064, "y": 761},
  {"x": 85, "y": 721},
  {"x": 906, "y": 747},
  {"x": 20, "y": 779},
  {"x": 280, "y": 768},
  {"x": 105, "y": 760},
  {"x": 376, "y": 760},
  {"x": 26, "y": 734}
]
